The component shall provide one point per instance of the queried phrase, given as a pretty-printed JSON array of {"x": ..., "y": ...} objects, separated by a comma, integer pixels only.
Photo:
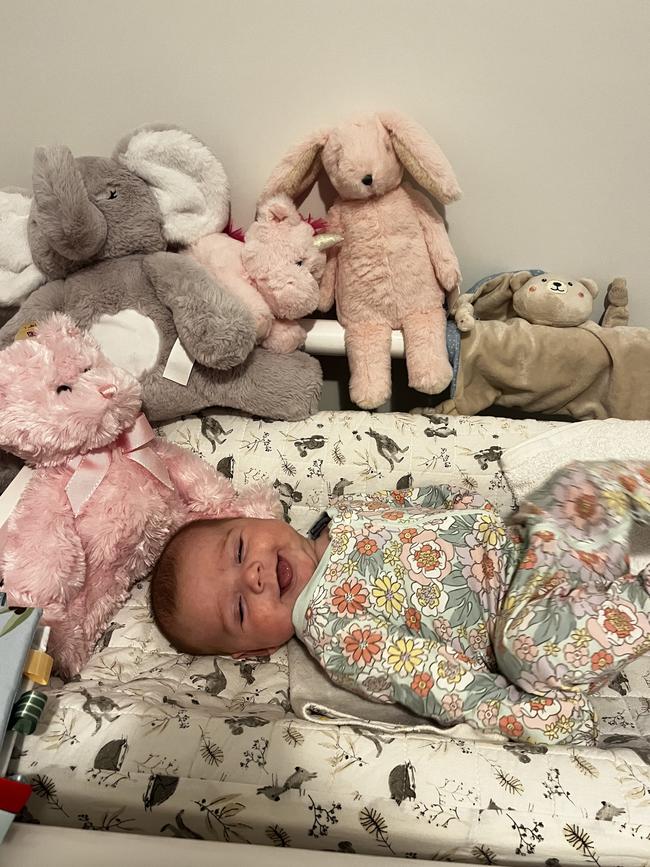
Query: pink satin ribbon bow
[{"x": 90, "y": 469}]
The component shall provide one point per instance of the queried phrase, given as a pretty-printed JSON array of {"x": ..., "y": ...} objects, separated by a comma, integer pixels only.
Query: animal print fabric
[{"x": 206, "y": 748}]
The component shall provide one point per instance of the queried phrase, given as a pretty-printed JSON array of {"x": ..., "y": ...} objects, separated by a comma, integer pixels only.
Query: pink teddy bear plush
[
  {"x": 275, "y": 272},
  {"x": 105, "y": 494}
]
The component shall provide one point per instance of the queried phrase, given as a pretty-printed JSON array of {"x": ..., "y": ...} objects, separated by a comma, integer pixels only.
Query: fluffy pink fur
[
  {"x": 275, "y": 271},
  {"x": 79, "y": 569},
  {"x": 396, "y": 262}
]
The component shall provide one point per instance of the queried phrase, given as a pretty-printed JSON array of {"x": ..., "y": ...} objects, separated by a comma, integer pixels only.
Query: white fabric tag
[
  {"x": 14, "y": 491},
  {"x": 179, "y": 365}
]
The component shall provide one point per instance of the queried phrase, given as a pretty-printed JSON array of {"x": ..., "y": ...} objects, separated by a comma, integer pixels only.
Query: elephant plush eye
[
  {"x": 63, "y": 388},
  {"x": 112, "y": 194}
]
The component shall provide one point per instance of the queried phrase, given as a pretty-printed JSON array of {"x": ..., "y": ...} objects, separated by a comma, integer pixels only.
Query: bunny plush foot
[
  {"x": 368, "y": 350},
  {"x": 430, "y": 379},
  {"x": 426, "y": 351},
  {"x": 369, "y": 392}
]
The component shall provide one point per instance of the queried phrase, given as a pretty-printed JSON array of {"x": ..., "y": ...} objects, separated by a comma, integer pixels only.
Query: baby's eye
[
  {"x": 300, "y": 262},
  {"x": 63, "y": 388},
  {"x": 241, "y": 611},
  {"x": 240, "y": 550}
]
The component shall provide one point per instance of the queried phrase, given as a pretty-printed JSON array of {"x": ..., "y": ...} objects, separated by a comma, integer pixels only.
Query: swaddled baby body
[{"x": 425, "y": 598}]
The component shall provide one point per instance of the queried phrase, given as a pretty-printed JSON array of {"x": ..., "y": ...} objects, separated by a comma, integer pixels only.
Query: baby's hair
[{"x": 162, "y": 591}]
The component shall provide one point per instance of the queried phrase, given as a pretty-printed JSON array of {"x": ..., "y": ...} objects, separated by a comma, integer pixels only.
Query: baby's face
[{"x": 238, "y": 581}]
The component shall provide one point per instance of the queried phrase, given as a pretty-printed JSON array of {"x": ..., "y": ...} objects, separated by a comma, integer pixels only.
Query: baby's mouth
[{"x": 285, "y": 575}]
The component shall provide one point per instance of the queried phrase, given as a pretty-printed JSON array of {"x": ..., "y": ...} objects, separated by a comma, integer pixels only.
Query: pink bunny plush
[
  {"x": 105, "y": 494},
  {"x": 396, "y": 261},
  {"x": 275, "y": 272}
]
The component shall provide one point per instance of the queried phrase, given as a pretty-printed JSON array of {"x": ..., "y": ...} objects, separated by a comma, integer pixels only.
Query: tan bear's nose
[{"x": 367, "y": 180}]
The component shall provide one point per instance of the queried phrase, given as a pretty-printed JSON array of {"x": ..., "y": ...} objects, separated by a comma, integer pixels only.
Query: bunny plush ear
[
  {"x": 19, "y": 276},
  {"x": 421, "y": 157},
  {"x": 188, "y": 181},
  {"x": 278, "y": 209},
  {"x": 298, "y": 169}
]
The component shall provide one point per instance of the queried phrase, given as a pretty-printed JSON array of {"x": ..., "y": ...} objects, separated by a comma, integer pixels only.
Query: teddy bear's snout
[{"x": 558, "y": 287}]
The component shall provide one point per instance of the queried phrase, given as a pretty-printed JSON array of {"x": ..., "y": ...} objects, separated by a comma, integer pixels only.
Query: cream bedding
[{"x": 150, "y": 741}]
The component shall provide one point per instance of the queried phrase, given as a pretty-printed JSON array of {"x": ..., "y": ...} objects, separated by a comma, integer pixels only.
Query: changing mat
[{"x": 150, "y": 741}]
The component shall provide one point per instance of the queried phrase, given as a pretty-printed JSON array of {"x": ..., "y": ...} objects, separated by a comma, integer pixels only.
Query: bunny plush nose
[
  {"x": 107, "y": 391},
  {"x": 367, "y": 180}
]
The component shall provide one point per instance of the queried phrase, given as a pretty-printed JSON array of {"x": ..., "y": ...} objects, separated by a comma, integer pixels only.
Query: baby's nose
[
  {"x": 255, "y": 577},
  {"x": 367, "y": 180}
]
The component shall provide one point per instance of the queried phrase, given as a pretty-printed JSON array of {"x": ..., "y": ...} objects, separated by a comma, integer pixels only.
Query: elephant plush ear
[
  {"x": 19, "y": 276},
  {"x": 187, "y": 180}
]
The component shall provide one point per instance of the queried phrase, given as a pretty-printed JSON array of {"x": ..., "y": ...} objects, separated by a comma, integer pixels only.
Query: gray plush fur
[{"x": 96, "y": 231}]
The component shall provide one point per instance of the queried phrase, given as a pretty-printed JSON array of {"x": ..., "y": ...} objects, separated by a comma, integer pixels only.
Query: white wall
[{"x": 542, "y": 107}]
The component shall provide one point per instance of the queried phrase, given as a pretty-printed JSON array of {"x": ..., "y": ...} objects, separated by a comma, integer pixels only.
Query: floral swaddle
[{"x": 425, "y": 598}]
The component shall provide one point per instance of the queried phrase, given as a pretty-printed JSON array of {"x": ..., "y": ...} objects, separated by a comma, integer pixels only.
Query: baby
[{"x": 425, "y": 598}]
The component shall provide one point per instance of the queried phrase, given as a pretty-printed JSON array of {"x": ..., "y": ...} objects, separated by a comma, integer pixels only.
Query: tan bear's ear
[
  {"x": 591, "y": 285},
  {"x": 517, "y": 280}
]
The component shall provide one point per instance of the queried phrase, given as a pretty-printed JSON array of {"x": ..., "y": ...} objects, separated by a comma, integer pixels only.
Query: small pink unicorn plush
[
  {"x": 275, "y": 272},
  {"x": 106, "y": 493}
]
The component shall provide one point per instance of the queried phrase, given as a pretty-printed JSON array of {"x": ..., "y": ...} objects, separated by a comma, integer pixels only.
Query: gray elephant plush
[{"x": 100, "y": 229}]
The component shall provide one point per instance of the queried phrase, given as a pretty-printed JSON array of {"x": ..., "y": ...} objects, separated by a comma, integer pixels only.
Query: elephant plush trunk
[{"x": 72, "y": 225}]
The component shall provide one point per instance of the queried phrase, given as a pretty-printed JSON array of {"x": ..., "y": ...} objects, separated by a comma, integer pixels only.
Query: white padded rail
[{"x": 326, "y": 337}]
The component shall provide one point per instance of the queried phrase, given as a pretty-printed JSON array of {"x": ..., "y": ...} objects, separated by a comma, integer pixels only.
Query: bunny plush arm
[
  {"x": 49, "y": 546},
  {"x": 214, "y": 327},
  {"x": 441, "y": 253}
]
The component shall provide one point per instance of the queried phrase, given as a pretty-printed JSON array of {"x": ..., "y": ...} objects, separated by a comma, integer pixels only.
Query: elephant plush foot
[
  {"x": 267, "y": 384},
  {"x": 281, "y": 386}
]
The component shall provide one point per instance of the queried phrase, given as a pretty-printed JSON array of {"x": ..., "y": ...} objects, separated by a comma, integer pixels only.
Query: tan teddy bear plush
[{"x": 540, "y": 298}]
